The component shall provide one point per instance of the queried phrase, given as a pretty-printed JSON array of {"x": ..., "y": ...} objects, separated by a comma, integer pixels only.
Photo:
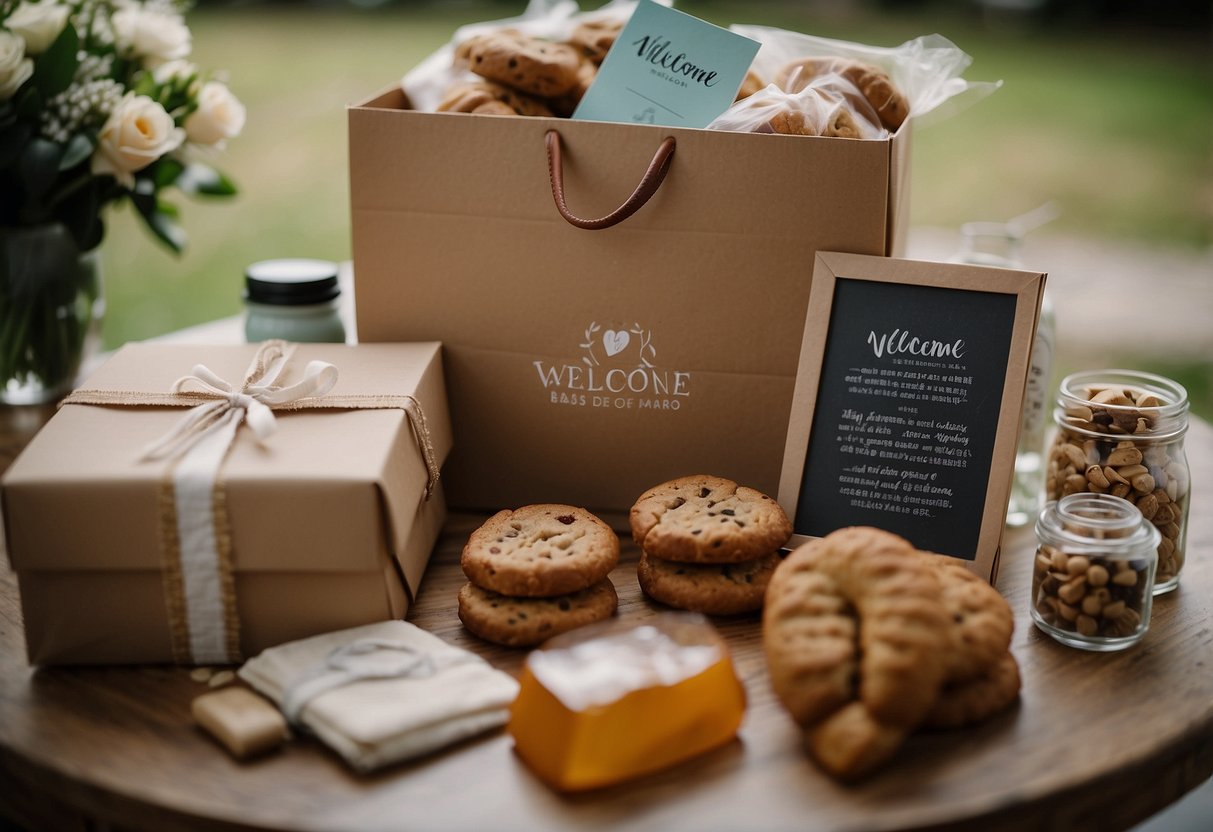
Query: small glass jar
[
  {"x": 1121, "y": 432},
  {"x": 1093, "y": 574},
  {"x": 294, "y": 299}
]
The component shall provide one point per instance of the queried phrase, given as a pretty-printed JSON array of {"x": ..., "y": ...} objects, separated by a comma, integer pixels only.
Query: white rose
[
  {"x": 155, "y": 36},
  {"x": 136, "y": 134},
  {"x": 219, "y": 115},
  {"x": 15, "y": 68},
  {"x": 38, "y": 24},
  {"x": 173, "y": 69}
]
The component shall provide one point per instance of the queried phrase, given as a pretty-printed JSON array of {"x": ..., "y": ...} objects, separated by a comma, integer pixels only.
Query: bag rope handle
[{"x": 649, "y": 183}]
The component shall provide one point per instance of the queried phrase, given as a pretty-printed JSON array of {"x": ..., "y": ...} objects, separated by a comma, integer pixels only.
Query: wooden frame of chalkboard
[{"x": 908, "y": 402}]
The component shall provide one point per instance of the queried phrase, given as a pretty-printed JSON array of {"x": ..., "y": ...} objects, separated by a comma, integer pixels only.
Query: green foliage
[
  {"x": 55, "y": 68},
  {"x": 78, "y": 148},
  {"x": 203, "y": 180}
]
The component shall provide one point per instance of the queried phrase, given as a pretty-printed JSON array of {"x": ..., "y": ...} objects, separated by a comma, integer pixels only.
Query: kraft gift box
[{"x": 327, "y": 523}]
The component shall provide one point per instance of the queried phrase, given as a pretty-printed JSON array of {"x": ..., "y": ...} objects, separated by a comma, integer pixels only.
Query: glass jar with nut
[
  {"x": 1093, "y": 574},
  {"x": 1121, "y": 432}
]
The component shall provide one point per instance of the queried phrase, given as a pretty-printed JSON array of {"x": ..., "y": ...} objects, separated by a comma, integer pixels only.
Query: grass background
[{"x": 1115, "y": 126}]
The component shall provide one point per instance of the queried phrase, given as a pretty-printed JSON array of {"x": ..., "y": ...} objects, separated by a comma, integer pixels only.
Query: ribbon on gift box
[{"x": 195, "y": 538}]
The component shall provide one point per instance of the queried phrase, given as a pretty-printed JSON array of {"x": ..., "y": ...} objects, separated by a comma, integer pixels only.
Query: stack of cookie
[
  {"x": 529, "y": 76},
  {"x": 867, "y": 639},
  {"x": 707, "y": 544},
  {"x": 536, "y": 572}
]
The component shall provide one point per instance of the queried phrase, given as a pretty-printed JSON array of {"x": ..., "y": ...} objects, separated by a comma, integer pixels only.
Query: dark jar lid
[{"x": 291, "y": 282}]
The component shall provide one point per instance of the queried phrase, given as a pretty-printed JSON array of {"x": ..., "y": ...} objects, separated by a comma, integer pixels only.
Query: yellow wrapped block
[{"x": 613, "y": 701}]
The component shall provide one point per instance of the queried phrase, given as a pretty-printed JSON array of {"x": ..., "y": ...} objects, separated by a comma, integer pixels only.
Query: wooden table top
[{"x": 1097, "y": 741}]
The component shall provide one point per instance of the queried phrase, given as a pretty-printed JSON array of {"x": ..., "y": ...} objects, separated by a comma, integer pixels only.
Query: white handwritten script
[{"x": 903, "y": 341}]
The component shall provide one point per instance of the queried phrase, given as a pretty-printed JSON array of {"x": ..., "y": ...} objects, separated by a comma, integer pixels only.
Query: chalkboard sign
[{"x": 908, "y": 401}]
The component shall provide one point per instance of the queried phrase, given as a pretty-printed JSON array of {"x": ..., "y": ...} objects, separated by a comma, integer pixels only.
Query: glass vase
[{"x": 51, "y": 306}]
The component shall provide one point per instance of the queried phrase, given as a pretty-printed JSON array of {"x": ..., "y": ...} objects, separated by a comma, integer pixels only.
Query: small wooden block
[{"x": 243, "y": 722}]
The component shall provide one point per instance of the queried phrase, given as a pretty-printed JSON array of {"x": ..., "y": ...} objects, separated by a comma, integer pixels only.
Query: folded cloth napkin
[{"x": 384, "y": 692}]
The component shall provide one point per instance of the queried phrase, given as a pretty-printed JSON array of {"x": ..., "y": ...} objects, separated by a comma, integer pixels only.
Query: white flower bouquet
[{"x": 98, "y": 104}]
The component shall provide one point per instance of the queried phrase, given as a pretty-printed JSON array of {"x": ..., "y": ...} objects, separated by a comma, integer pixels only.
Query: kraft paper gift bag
[
  {"x": 587, "y": 361},
  {"x": 586, "y": 365}
]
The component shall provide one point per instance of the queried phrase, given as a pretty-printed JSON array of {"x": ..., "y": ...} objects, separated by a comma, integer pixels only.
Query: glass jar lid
[
  {"x": 1112, "y": 524},
  {"x": 291, "y": 282}
]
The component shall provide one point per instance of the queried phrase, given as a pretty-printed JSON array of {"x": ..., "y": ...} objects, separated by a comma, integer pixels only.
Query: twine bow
[{"x": 252, "y": 402}]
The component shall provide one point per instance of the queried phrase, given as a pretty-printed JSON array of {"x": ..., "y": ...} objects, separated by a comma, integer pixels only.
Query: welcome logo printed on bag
[{"x": 617, "y": 370}]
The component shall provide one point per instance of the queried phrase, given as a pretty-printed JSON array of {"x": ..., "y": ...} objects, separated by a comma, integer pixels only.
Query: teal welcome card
[{"x": 669, "y": 68}]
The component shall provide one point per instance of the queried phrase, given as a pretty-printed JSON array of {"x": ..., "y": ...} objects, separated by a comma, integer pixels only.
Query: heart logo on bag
[
  {"x": 615, "y": 342},
  {"x": 604, "y": 379}
]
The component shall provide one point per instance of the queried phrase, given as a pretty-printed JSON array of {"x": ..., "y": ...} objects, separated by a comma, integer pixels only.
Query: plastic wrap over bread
[
  {"x": 920, "y": 79},
  {"x": 825, "y": 105}
]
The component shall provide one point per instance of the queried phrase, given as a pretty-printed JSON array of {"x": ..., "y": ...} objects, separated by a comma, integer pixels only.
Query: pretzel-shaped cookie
[
  {"x": 978, "y": 698},
  {"x": 927, "y": 640},
  {"x": 850, "y": 742},
  {"x": 982, "y": 621},
  {"x": 809, "y": 623}
]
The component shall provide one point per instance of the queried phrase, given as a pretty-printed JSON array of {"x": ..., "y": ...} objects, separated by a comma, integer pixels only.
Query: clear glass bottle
[
  {"x": 1093, "y": 574},
  {"x": 1121, "y": 432},
  {"x": 293, "y": 299},
  {"x": 998, "y": 244}
]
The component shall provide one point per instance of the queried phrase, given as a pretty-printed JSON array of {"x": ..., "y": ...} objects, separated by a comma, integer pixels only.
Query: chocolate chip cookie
[
  {"x": 524, "y": 622},
  {"x": 528, "y": 64},
  {"x": 539, "y": 551},
  {"x": 707, "y": 519},
  {"x": 713, "y": 589}
]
